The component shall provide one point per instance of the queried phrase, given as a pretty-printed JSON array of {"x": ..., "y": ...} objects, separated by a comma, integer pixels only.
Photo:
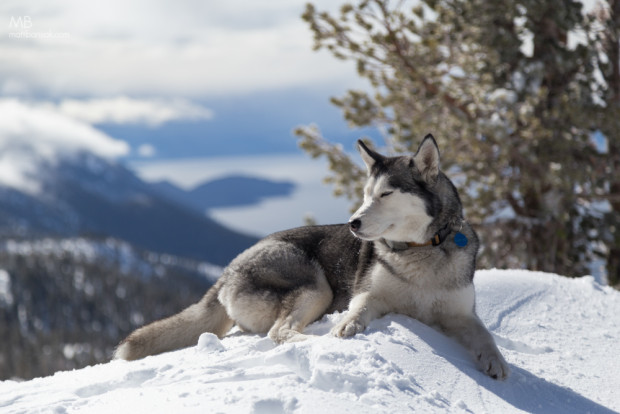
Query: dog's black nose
[{"x": 355, "y": 224}]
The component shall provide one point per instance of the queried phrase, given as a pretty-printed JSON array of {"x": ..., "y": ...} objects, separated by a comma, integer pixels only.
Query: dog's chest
[{"x": 418, "y": 291}]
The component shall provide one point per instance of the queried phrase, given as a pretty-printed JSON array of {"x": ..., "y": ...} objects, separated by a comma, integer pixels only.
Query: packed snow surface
[{"x": 559, "y": 335}]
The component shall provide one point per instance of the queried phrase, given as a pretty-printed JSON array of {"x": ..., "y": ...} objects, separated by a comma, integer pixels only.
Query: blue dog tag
[{"x": 460, "y": 239}]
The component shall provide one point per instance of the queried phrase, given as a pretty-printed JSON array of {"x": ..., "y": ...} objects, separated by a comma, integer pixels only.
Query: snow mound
[{"x": 559, "y": 335}]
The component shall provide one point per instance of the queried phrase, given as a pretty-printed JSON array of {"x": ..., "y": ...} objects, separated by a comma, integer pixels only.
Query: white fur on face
[{"x": 398, "y": 216}]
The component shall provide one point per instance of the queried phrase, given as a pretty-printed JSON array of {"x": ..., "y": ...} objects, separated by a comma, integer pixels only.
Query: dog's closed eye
[{"x": 387, "y": 193}]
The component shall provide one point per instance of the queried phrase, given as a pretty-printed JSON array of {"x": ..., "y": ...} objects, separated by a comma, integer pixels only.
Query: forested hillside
[{"x": 65, "y": 303}]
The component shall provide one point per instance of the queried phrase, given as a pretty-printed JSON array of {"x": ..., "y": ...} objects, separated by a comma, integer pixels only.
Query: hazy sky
[
  {"x": 174, "y": 79},
  {"x": 155, "y": 48}
]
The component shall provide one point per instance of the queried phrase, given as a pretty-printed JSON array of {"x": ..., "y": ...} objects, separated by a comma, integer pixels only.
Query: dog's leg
[
  {"x": 473, "y": 335},
  {"x": 362, "y": 310},
  {"x": 299, "y": 308}
]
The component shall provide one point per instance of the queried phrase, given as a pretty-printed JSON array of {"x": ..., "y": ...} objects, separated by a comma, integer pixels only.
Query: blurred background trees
[
  {"x": 523, "y": 97},
  {"x": 66, "y": 303}
]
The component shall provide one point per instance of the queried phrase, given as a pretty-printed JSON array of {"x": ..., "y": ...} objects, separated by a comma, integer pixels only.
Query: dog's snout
[{"x": 355, "y": 224}]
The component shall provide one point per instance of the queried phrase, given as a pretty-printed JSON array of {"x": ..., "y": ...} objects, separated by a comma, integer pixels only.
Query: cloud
[
  {"x": 32, "y": 135},
  {"x": 155, "y": 48},
  {"x": 125, "y": 110},
  {"x": 146, "y": 151}
]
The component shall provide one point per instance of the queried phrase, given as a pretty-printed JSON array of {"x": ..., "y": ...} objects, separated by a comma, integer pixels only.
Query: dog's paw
[
  {"x": 492, "y": 363},
  {"x": 348, "y": 327}
]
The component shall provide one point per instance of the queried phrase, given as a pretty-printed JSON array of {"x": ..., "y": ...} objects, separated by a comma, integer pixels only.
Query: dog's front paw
[
  {"x": 492, "y": 363},
  {"x": 348, "y": 327}
]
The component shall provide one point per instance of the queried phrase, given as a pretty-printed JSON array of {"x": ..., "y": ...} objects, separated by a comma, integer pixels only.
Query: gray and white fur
[{"x": 397, "y": 254}]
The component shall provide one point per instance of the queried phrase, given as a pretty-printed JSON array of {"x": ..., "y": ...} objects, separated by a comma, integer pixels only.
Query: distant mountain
[
  {"x": 231, "y": 191},
  {"x": 82, "y": 194}
]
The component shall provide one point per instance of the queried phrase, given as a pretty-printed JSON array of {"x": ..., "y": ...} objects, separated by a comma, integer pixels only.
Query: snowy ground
[{"x": 559, "y": 335}]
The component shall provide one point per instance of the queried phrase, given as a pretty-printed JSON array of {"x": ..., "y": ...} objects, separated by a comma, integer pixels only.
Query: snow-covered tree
[{"x": 512, "y": 90}]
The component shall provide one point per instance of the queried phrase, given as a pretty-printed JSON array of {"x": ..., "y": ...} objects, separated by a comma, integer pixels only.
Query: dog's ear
[
  {"x": 427, "y": 159},
  {"x": 369, "y": 157}
]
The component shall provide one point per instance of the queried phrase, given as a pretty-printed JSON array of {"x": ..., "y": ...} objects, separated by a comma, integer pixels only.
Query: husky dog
[{"x": 407, "y": 249}]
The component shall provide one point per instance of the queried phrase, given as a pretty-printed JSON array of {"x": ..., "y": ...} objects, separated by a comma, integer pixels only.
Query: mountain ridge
[
  {"x": 233, "y": 190},
  {"x": 87, "y": 194}
]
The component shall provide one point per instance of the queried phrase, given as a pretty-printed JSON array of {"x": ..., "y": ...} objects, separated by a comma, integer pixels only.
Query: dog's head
[{"x": 400, "y": 200}]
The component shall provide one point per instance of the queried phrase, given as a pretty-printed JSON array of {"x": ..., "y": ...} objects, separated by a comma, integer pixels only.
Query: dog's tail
[{"x": 178, "y": 331}]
